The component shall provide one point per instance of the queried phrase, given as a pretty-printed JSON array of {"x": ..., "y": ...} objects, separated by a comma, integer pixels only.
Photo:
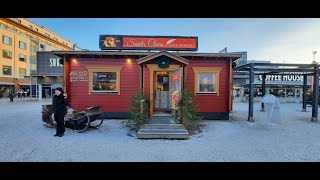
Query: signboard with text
[
  {"x": 78, "y": 76},
  {"x": 285, "y": 77},
  {"x": 126, "y": 42},
  {"x": 47, "y": 63}
]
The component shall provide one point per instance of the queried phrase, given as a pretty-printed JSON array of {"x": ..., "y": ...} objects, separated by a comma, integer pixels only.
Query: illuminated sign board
[
  {"x": 174, "y": 43},
  {"x": 54, "y": 62},
  {"x": 287, "y": 77}
]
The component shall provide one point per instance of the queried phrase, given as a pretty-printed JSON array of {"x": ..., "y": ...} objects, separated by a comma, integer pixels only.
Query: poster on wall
[
  {"x": 174, "y": 43},
  {"x": 175, "y": 99},
  {"x": 175, "y": 76}
]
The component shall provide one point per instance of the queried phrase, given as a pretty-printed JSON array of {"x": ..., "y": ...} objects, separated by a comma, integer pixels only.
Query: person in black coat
[{"x": 59, "y": 103}]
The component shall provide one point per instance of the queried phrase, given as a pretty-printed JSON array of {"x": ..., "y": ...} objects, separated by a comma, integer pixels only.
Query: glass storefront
[
  {"x": 287, "y": 88},
  {"x": 46, "y": 91},
  {"x": 288, "y": 94}
]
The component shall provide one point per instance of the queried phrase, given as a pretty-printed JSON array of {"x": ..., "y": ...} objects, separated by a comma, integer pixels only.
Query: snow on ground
[{"x": 25, "y": 138}]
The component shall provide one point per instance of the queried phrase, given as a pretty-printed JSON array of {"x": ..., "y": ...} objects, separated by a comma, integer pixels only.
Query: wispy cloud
[
  {"x": 274, "y": 39},
  {"x": 294, "y": 43}
]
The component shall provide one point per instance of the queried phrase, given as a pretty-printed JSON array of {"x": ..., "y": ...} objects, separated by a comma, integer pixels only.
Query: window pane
[
  {"x": 33, "y": 48},
  {"x": 22, "y": 45},
  {"x": 7, "y": 54},
  {"x": 22, "y": 72},
  {"x": 6, "y": 70},
  {"x": 33, "y": 60},
  {"x": 207, "y": 82},
  {"x": 105, "y": 81},
  {"x": 6, "y": 40},
  {"x": 33, "y": 68},
  {"x": 22, "y": 57},
  {"x": 3, "y": 25}
]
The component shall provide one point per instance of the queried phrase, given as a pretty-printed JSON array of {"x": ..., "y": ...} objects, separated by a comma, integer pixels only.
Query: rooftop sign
[{"x": 126, "y": 42}]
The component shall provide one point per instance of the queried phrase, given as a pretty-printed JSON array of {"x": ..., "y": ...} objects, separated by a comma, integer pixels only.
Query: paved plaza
[{"x": 24, "y": 138}]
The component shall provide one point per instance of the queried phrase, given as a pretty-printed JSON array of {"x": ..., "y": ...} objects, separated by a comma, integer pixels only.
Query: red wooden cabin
[{"x": 112, "y": 78}]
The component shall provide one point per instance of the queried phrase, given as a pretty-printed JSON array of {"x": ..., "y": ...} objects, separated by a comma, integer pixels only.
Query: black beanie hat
[{"x": 59, "y": 89}]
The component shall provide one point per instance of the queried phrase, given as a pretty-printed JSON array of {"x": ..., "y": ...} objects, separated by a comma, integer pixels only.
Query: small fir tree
[
  {"x": 187, "y": 111},
  {"x": 139, "y": 113}
]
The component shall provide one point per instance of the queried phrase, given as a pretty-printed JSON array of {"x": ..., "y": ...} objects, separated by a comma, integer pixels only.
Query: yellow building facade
[{"x": 20, "y": 41}]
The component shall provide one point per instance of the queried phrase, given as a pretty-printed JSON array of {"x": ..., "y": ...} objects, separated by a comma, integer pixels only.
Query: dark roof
[
  {"x": 232, "y": 56},
  {"x": 275, "y": 68}
]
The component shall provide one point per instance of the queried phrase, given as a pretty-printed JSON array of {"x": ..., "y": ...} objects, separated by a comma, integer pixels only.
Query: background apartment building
[{"x": 20, "y": 41}]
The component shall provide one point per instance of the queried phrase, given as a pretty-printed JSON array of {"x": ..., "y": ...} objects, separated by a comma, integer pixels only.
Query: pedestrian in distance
[{"x": 11, "y": 97}]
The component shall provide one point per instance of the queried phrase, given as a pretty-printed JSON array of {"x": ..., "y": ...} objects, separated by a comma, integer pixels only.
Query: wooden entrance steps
[
  {"x": 163, "y": 126},
  {"x": 163, "y": 134},
  {"x": 162, "y": 115},
  {"x": 163, "y": 131}
]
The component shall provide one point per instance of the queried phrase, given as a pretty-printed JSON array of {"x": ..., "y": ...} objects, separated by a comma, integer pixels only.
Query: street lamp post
[
  {"x": 313, "y": 62},
  {"x": 315, "y": 88},
  {"x": 314, "y": 56}
]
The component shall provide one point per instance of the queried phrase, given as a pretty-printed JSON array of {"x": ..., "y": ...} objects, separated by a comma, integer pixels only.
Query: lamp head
[{"x": 314, "y": 52}]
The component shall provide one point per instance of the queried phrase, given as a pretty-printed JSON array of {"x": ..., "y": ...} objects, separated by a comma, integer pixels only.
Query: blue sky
[{"x": 289, "y": 40}]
